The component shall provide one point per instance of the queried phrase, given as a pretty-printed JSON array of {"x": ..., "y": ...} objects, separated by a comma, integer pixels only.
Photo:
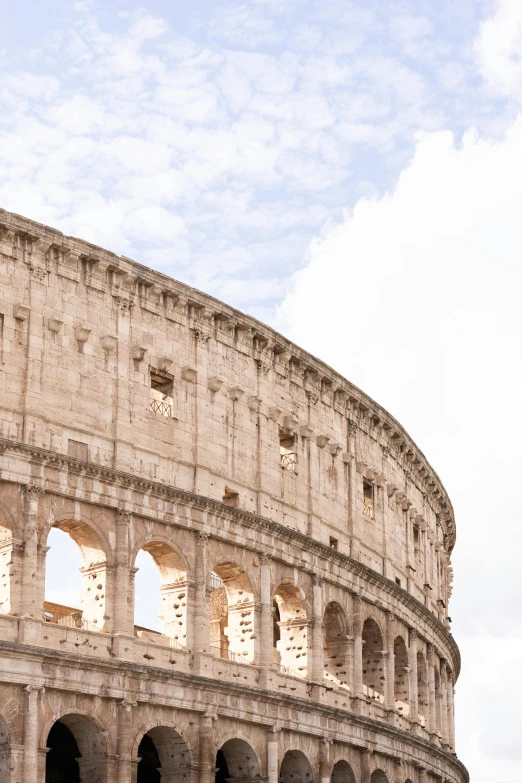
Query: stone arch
[
  {"x": 292, "y": 627},
  {"x": 173, "y": 595},
  {"x": 422, "y": 687},
  {"x": 5, "y": 751},
  {"x": 295, "y": 768},
  {"x": 93, "y": 597},
  {"x": 401, "y": 686},
  {"x": 373, "y": 660},
  {"x": 76, "y": 750},
  {"x": 8, "y": 562},
  {"x": 164, "y": 755},
  {"x": 342, "y": 773},
  {"x": 379, "y": 776},
  {"x": 236, "y": 759},
  {"x": 232, "y": 612},
  {"x": 335, "y": 644}
]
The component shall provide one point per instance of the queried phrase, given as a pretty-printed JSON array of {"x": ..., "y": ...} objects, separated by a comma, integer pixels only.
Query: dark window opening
[
  {"x": 368, "y": 493},
  {"x": 397, "y": 581},
  {"x": 416, "y": 541},
  {"x": 287, "y": 450},
  {"x": 334, "y": 543}
]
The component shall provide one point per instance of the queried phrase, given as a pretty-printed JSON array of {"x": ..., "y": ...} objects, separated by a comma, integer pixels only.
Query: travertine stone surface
[{"x": 302, "y": 539}]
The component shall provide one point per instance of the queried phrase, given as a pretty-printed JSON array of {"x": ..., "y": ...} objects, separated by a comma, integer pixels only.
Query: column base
[
  {"x": 29, "y": 630},
  {"x": 123, "y": 646},
  {"x": 203, "y": 664}
]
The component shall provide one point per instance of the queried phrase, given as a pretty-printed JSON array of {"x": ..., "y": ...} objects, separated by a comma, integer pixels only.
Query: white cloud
[
  {"x": 416, "y": 298},
  {"x": 499, "y": 48}
]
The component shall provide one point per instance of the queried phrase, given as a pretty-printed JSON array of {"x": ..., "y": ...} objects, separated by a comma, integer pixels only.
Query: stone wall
[{"x": 302, "y": 539}]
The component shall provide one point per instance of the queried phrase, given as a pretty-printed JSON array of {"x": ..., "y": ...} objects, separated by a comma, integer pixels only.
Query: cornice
[
  {"x": 39, "y": 239},
  {"x": 246, "y": 518},
  {"x": 140, "y": 671}
]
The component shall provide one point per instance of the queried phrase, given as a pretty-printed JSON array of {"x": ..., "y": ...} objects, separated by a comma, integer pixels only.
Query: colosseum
[{"x": 302, "y": 541}]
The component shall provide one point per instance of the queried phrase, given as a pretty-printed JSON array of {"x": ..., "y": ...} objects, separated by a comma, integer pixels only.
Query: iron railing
[
  {"x": 71, "y": 621},
  {"x": 221, "y": 652},
  {"x": 289, "y": 461},
  {"x": 163, "y": 407},
  {"x": 291, "y": 672}
]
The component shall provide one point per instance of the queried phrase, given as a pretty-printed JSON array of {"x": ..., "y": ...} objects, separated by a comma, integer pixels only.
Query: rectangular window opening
[
  {"x": 397, "y": 581},
  {"x": 231, "y": 497},
  {"x": 287, "y": 451},
  {"x": 334, "y": 543},
  {"x": 368, "y": 492},
  {"x": 161, "y": 389}
]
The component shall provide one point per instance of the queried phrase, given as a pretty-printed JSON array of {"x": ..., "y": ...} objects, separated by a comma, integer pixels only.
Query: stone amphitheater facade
[{"x": 303, "y": 543}]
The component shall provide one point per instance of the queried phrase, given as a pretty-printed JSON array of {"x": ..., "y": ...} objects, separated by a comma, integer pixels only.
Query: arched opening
[
  {"x": 402, "y": 674},
  {"x": 373, "y": 662},
  {"x": 232, "y": 613},
  {"x": 5, "y": 752},
  {"x": 422, "y": 685},
  {"x": 292, "y": 644},
  {"x": 378, "y": 776},
  {"x": 164, "y": 757},
  {"x": 75, "y": 577},
  {"x": 336, "y": 661},
  {"x": 166, "y": 597},
  {"x": 236, "y": 760},
  {"x": 295, "y": 768},
  {"x": 6, "y": 565},
  {"x": 77, "y": 752},
  {"x": 342, "y": 773}
]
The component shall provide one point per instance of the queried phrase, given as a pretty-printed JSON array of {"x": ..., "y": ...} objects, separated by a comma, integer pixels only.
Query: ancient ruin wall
[{"x": 302, "y": 539}]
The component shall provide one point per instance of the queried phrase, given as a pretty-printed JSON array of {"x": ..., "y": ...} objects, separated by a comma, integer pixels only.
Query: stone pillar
[
  {"x": 316, "y": 672},
  {"x": 201, "y": 622},
  {"x": 264, "y": 634},
  {"x": 122, "y": 612},
  {"x": 414, "y": 685},
  {"x": 444, "y": 704},
  {"x": 353, "y": 526},
  {"x": 357, "y": 647},
  {"x": 324, "y": 760},
  {"x": 423, "y": 775},
  {"x": 29, "y": 629},
  {"x": 390, "y": 662},
  {"x": 31, "y": 772},
  {"x": 207, "y": 760},
  {"x": 365, "y": 766},
  {"x": 451, "y": 710},
  {"x": 272, "y": 755},
  {"x": 125, "y": 760},
  {"x": 431, "y": 719}
]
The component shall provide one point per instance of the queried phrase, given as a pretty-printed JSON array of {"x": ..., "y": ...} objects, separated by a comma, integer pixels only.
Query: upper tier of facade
[{"x": 112, "y": 363}]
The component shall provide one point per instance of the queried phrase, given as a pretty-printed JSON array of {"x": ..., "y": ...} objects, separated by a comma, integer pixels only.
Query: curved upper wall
[{"x": 112, "y": 362}]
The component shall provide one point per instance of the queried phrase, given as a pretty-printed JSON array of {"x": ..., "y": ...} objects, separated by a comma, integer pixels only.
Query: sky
[{"x": 348, "y": 172}]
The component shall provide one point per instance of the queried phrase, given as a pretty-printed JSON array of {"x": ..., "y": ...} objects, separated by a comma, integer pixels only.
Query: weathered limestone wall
[{"x": 302, "y": 541}]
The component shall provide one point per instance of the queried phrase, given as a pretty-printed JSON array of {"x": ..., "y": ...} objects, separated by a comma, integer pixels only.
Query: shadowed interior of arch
[
  {"x": 378, "y": 776},
  {"x": 77, "y": 751},
  {"x": 160, "y": 592},
  {"x": 373, "y": 661},
  {"x": 236, "y": 760},
  {"x": 295, "y": 768},
  {"x": 336, "y": 661},
  {"x": 342, "y": 773},
  {"x": 5, "y": 751},
  {"x": 292, "y": 645},
  {"x": 164, "y": 757},
  {"x": 232, "y": 625},
  {"x": 75, "y": 577},
  {"x": 402, "y": 673}
]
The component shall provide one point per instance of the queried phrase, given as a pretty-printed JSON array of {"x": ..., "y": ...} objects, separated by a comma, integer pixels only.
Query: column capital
[
  {"x": 317, "y": 581},
  {"x": 122, "y": 516},
  {"x": 201, "y": 538},
  {"x": 413, "y": 634},
  {"x": 264, "y": 559}
]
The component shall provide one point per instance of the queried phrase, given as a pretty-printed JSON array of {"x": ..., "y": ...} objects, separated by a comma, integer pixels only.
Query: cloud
[
  {"x": 415, "y": 297},
  {"x": 499, "y": 49}
]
